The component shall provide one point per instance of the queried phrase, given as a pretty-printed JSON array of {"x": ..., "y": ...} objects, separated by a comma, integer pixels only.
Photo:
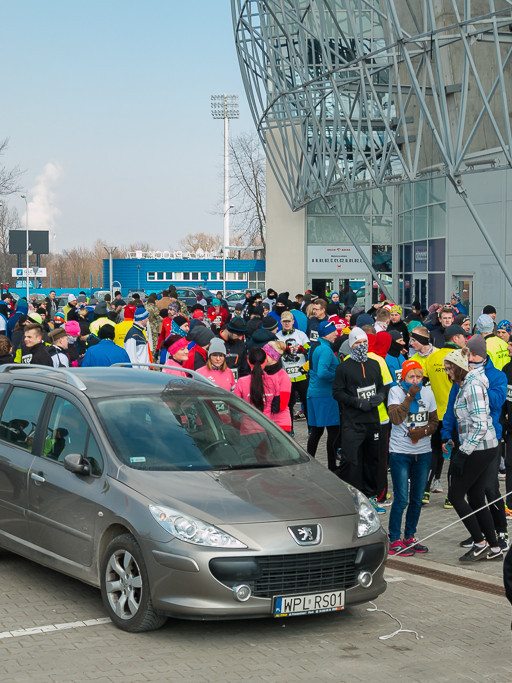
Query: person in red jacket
[
  {"x": 217, "y": 315},
  {"x": 198, "y": 354}
]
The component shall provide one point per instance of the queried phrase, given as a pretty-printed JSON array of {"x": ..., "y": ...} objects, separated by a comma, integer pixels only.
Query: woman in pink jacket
[
  {"x": 216, "y": 369},
  {"x": 274, "y": 369},
  {"x": 258, "y": 389},
  {"x": 177, "y": 347}
]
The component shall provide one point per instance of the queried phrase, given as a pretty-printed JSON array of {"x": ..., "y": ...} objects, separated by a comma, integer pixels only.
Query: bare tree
[
  {"x": 248, "y": 188},
  {"x": 9, "y": 220},
  {"x": 201, "y": 240},
  {"x": 8, "y": 176}
]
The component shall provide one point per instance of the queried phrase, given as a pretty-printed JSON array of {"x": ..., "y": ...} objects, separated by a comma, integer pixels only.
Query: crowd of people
[{"x": 397, "y": 395}]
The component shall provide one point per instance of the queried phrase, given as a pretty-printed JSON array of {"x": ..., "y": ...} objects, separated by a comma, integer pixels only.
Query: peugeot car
[{"x": 176, "y": 499}]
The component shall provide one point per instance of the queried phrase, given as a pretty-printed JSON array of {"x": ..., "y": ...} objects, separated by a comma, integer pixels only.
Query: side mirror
[{"x": 74, "y": 462}]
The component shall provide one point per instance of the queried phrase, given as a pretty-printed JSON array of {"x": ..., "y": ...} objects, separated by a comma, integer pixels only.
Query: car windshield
[{"x": 187, "y": 430}]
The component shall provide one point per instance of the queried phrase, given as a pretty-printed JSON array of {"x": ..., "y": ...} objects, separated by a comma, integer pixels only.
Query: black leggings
[
  {"x": 508, "y": 470},
  {"x": 333, "y": 432},
  {"x": 472, "y": 483},
  {"x": 492, "y": 492},
  {"x": 300, "y": 388}
]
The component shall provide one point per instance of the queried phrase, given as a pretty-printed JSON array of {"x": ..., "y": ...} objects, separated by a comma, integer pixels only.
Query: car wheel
[{"x": 125, "y": 587}]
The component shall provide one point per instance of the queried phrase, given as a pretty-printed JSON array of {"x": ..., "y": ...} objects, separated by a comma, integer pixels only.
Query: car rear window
[{"x": 177, "y": 430}]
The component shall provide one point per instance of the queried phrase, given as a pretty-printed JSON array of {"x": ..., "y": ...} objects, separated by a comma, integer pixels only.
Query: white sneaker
[{"x": 436, "y": 486}]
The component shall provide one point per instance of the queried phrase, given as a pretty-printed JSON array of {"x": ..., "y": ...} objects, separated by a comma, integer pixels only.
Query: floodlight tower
[{"x": 225, "y": 107}]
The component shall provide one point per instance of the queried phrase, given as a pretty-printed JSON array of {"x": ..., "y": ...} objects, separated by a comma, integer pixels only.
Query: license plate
[{"x": 313, "y": 603}]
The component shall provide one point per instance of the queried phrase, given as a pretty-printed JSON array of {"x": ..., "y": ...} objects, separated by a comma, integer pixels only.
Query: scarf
[
  {"x": 415, "y": 406},
  {"x": 359, "y": 353}
]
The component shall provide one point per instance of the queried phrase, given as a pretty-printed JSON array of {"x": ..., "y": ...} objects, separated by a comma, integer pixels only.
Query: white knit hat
[
  {"x": 459, "y": 357},
  {"x": 355, "y": 335}
]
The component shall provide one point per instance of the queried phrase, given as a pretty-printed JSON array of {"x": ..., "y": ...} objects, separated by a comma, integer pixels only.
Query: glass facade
[{"x": 422, "y": 241}]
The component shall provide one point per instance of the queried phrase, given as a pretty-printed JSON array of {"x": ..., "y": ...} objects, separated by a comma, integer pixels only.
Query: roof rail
[
  {"x": 193, "y": 374},
  {"x": 66, "y": 373}
]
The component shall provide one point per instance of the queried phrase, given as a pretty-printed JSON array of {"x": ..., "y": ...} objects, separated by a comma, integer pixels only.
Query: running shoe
[
  {"x": 387, "y": 502},
  {"x": 508, "y": 512},
  {"x": 400, "y": 549},
  {"x": 299, "y": 416},
  {"x": 436, "y": 486},
  {"x": 476, "y": 553},
  {"x": 503, "y": 541},
  {"x": 447, "y": 504},
  {"x": 468, "y": 543},
  {"x": 413, "y": 544},
  {"x": 378, "y": 509},
  {"x": 426, "y": 498},
  {"x": 502, "y": 475},
  {"x": 495, "y": 555}
]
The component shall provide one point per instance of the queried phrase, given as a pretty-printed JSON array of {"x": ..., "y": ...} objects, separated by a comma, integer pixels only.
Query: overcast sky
[{"x": 106, "y": 104}]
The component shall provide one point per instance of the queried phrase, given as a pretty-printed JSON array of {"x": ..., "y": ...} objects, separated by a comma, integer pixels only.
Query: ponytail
[{"x": 257, "y": 358}]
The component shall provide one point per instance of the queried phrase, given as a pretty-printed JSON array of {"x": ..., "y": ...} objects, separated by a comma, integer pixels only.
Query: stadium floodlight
[{"x": 344, "y": 91}]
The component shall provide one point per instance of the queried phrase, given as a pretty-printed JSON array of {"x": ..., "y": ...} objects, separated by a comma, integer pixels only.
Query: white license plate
[{"x": 314, "y": 603}]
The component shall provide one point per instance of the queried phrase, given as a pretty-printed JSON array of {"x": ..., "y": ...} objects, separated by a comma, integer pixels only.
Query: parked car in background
[
  {"x": 189, "y": 295},
  {"x": 176, "y": 499}
]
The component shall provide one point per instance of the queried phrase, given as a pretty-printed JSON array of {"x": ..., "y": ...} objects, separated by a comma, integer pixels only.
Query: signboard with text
[
  {"x": 32, "y": 272},
  {"x": 337, "y": 259}
]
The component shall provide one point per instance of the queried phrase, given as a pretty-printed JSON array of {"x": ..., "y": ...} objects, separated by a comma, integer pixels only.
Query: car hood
[{"x": 297, "y": 492}]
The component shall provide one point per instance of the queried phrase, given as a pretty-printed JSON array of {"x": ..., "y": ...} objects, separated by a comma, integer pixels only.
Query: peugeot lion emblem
[{"x": 307, "y": 534}]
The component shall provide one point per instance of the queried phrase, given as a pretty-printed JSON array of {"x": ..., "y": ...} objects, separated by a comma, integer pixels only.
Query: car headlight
[
  {"x": 192, "y": 530},
  {"x": 368, "y": 522}
]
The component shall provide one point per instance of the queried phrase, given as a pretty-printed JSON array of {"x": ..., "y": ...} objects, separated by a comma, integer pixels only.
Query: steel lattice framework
[{"x": 353, "y": 94}]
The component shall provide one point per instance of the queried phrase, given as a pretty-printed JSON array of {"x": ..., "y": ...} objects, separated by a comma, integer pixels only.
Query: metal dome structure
[{"x": 354, "y": 94}]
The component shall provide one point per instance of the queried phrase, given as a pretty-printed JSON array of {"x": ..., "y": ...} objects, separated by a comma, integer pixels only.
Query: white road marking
[{"x": 34, "y": 630}]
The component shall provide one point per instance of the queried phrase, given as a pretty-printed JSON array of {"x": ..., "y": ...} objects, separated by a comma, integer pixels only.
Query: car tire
[{"x": 125, "y": 587}]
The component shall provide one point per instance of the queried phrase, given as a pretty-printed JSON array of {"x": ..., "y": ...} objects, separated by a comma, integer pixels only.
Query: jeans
[{"x": 404, "y": 468}]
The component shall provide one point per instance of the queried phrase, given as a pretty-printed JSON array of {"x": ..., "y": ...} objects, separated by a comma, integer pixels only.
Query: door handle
[{"x": 37, "y": 477}]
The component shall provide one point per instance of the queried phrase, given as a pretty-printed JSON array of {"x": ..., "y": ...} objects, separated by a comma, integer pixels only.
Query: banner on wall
[{"x": 333, "y": 259}]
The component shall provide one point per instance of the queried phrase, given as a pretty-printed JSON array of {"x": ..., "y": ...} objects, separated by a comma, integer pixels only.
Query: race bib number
[
  {"x": 419, "y": 419},
  {"x": 366, "y": 392},
  {"x": 398, "y": 376},
  {"x": 26, "y": 358},
  {"x": 509, "y": 393},
  {"x": 314, "y": 335},
  {"x": 221, "y": 407}
]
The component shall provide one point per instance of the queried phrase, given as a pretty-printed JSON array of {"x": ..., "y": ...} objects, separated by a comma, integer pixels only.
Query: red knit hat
[{"x": 409, "y": 365}]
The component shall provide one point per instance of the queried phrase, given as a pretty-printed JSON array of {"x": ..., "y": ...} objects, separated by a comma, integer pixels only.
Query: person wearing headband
[
  {"x": 177, "y": 350},
  {"x": 420, "y": 344}
]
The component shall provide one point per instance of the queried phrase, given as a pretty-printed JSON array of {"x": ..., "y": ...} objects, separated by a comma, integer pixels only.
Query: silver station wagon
[{"x": 177, "y": 499}]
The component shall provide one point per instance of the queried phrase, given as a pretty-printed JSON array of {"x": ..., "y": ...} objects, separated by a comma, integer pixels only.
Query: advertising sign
[{"x": 337, "y": 259}]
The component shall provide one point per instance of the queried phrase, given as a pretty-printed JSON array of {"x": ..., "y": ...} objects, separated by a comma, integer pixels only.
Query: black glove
[
  {"x": 376, "y": 400},
  {"x": 364, "y": 405},
  {"x": 275, "y": 405},
  {"x": 457, "y": 462}
]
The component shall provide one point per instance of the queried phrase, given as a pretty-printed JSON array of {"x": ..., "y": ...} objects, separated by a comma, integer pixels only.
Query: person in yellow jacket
[
  {"x": 420, "y": 343},
  {"x": 496, "y": 348},
  {"x": 454, "y": 338},
  {"x": 123, "y": 327}
]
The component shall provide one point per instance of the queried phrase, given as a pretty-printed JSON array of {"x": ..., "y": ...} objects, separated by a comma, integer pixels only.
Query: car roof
[{"x": 104, "y": 382}]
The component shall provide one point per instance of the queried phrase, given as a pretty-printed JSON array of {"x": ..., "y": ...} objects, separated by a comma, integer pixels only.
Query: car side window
[
  {"x": 66, "y": 431},
  {"x": 20, "y": 416}
]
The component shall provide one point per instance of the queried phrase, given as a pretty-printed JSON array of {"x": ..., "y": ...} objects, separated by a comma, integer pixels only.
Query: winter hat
[
  {"x": 485, "y": 324},
  {"x": 201, "y": 335},
  {"x": 216, "y": 302},
  {"x": 269, "y": 323},
  {"x": 72, "y": 328},
  {"x": 477, "y": 345},
  {"x": 396, "y": 309},
  {"x": 198, "y": 314},
  {"x": 101, "y": 309},
  {"x": 332, "y": 309},
  {"x": 57, "y": 333},
  {"x": 173, "y": 306},
  {"x": 454, "y": 329},
  {"x": 455, "y": 297},
  {"x": 129, "y": 311},
  {"x": 22, "y": 306},
  {"x": 140, "y": 314},
  {"x": 237, "y": 325},
  {"x": 287, "y": 315},
  {"x": 355, "y": 335},
  {"x": 459, "y": 357},
  {"x": 489, "y": 309},
  {"x": 409, "y": 365},
  {"x": 505, "y": 325},
  {"x": 35, "y": 318},
  {"x": 82, "y": 299},
  {"x": 258, "y": 310},
  {"x": 217, "y": 346},
  {"x": 239, "y": 307},
  {"x": 326, "y": 327},
  {"x": 395, "y": 335},
  {"x": 59, "y": 316},
  {"x": 71, "y": 297},
  {"x": 180, "y": 320},
  {"x": 365, "y": 319}
]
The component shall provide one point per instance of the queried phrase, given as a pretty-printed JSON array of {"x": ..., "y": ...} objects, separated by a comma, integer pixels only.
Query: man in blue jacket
[
  {"x": 497, "y": 393},
  {"x": 105, "y": 353}
]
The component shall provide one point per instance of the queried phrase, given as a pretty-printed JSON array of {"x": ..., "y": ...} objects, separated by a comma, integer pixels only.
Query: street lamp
[
  {"x": 225, "y": 107},
  {"x": 27, "y": 244},
  {"x": 224, "y": 251}
]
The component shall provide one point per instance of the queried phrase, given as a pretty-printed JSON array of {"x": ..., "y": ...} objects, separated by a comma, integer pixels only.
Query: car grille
[
  {"x": 312, "y": 572},
  {"x": 271, "y": 575}
]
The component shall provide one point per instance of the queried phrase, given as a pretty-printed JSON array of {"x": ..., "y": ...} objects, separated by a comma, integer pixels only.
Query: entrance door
[
  {"x": 321, "y": 286},
  {"x": 420, "y": 291},
  {"x": 361, "y": 286},
  {"x": 463, "y": 285}
]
